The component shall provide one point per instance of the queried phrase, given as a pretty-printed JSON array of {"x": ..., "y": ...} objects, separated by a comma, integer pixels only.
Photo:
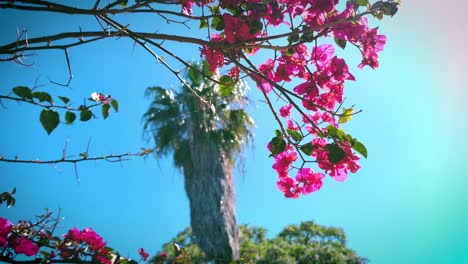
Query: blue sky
[{"x": 406, "y": 205}]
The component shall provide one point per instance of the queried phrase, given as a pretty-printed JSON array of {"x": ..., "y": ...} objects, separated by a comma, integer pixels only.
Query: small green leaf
[
  {"x": 49, "y": 120},
  {"x": 194, "y": 75},
  {"x": 289, "y": 52},
  {"x": 359, "y": 147},
  {"x": 293, "y": 38},
  {"x": 307, "y": 37},
  {"x": 217, "y": 23},
  {"x": 340, "y": 42},
  {"x": 69, "y": 117},
  {"x": 277, "y": 145},
  {"x": 362, "y": 2},
  {"x": 122, "y": 2},
  {"x": 214, "y": 9},
  {"x": 23, "y": 92},
  {"x": 226, "y": 85},
  {"x": 42, "y": 96},
  {"x": 64, "y": 99},
  {"x": 307, "y": 149},
  {"x": 256, "y": 27},
  {"x": 115, "y": 105},
  {"x": 85, "y": 115},
  {"x": 278, "y": 133},
  {"x": 295, "y": 135},
  {"x": 105, "y": 110},
  {"x": 335, "y": 153},
  {"x": 203, "y": 23},
  {"x": 206, "y": 69}
]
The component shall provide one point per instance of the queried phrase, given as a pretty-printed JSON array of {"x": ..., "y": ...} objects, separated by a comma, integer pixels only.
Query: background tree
[
  {"x": 302, "y": 244},
  {"x": 205, "y": 143}
]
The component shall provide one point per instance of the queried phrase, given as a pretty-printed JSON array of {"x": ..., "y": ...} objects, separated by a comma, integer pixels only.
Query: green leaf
[
  {"x": 194, "y": 75},
  {"x": 307, "y": 37},
  {"x": 307, "y": 149},
  {"x": 340, "y": 42},
  {"x": 105, "y": 110},
  {"x": 115, "y": 105},
  {"x": 206, "y": 69},
  {"x": 42, "y": 96},
  {"x": 362, "y": 2},
  {"x": 226, "y": 85},
  {"x": 217, "y": 23},
  {"x": 278, "y": 133},
  {"x": 203, "y": 23},
  {"x": 295, "y": 135},
  {"x": 214, "y": 9},
  {"x": 64, "y": 99},
  {"x": 359, "y": 147},
  {"x": 49, "y": 120},
  {"x": 85, "y": 115},
  {"x": 289, "y": 52},
  {"x": 256, "y": 27},
  {"x": 293, "y": 38},
  {"x": 70, "y": 117},
  {"x": 122, "y": 2},
  {"x": 335, "y": 153},
  {"x": 23, "y": 92},
  {"x": 277, "y": 145}
]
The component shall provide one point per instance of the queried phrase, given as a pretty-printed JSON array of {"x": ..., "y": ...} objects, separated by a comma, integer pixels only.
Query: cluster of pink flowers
[
  {"x": 76, "y": 244},
  {"x": 75, "y": 241},
  {"x": 321, "y": 75},
  {"x": 19, "y": 243}
]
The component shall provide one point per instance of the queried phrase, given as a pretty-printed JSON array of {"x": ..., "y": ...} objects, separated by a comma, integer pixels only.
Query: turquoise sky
[{"x": 408, "y": 203}]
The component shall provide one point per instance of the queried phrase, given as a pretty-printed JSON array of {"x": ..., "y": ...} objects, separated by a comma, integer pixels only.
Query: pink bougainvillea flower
[
  {"x": 143, "y": 254},
  {"x": 322, "y": 54},
  {"x": 310, "y": 180},
  {"x": 22, "y": 245},
  {"x": 5, "y": 227},
  {"x": 289, "y": 187},
  {"x": 285, "y": 111}
]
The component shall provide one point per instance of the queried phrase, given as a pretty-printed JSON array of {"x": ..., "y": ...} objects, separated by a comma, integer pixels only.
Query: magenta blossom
[
  {"x": 143, "y": 254},
  {"x": 22, "y": 245}
]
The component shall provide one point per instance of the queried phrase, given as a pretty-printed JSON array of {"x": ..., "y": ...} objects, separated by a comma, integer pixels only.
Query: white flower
[{"x": 95, "y": 96}]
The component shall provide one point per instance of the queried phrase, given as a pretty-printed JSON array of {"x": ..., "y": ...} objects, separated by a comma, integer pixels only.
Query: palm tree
[{"x": 204, "y": 141}]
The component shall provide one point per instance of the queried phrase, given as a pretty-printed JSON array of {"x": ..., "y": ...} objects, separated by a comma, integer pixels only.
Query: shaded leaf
[
  {"x": 194, "y": 75},
  {"x": 359, "y": 147},
  {"x": 340, "y": 42},
  {"x": 115, "y": 105},
  {"x": 122, "y": 2},
  {"x": 362, "y": 2},
  {"x": 49, "y": 120},
  {"x": 64, "y": 99},
  {"x": 105, "y": 110},
  {"x": 70, "y": 117},
  {"x": 85, "y": 115},
  {"x": 42, "y": 96},
  {"x": 256, "y": 26},
  {"x": 335, "y": 153},
  {"x": 23, "y": 92},
  {"x": 277, "y": 145},
  {"x": 203, "y": 23},
  {"x": 295, "y": 134},
  {"x": 226, "y": 85},
  {"x": 307, "y": 149},
  {"x": 217, "y": 23}
]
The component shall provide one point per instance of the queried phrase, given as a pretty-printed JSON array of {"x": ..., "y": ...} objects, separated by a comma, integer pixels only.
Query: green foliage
[
  {"x": 299, "y": 244},
  {"x": 335, "y": 153},
  {"x": 49, "y": 120},
  {"x": 277, "y": 145},
  {"x": 175, "y": 119},
  {"x": 8, "y": 198},
  {"x": 340, "y": 42}
]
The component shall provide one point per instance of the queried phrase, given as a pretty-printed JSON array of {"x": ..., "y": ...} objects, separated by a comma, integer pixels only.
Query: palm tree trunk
[{"x": 209, "y": 185}]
